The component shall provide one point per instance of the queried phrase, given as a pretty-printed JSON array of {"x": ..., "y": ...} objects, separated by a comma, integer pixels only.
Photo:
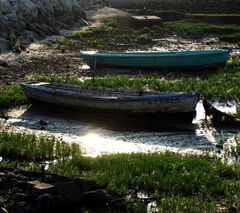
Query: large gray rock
[
  {"x": 5, "y": 6},
  {"x": 41, "y": 17},
  {"x": 4, "y": 45}
]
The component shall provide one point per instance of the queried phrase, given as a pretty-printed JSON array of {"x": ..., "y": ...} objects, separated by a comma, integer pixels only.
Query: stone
[
  {"x": 27, "y": 37},
  {"x": 4, "y": 45},
  {"x": 70, "y": 191},
  {"x": 52, "y": 203},
  {"x": 3, "y": 63},
  {"x": 5, "y": 6},
  {"x": 18, "y": 207},
  {"x": 14, "y": 190},
  {"x": 42, "y": 122},
  {"x": 21, "y": 196},
  {"x": 97, "y": 198},
  {"x": 42, "y": 202},
  {"x": 88, "y": 185},
  {"x": 41, "y": 187},
  {"x": 22, "y": 184}
]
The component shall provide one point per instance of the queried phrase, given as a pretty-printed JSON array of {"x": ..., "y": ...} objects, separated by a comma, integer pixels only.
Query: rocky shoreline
[
  {"x": 33, "y": 192},
  {"x": 25, "y": 21}
]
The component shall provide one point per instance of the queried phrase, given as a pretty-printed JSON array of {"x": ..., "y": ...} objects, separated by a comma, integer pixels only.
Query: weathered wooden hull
[
  {"x": 163, "y": 60},
  {"x": 111, "y": 100}
]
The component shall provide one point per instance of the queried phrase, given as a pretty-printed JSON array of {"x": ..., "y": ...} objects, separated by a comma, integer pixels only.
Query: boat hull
[
  {"x": 151, "y": 103},
  {"x": 132, "y": 119},
  {"x": 168, "y": 60}
]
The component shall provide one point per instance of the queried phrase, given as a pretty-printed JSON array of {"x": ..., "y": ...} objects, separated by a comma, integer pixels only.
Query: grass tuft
[
  {"x": 30, "y": 147},
  {"x": 224, "y": 83},
  {"x": 167, "y": 178},
  {"x": 11, "y": 95}
]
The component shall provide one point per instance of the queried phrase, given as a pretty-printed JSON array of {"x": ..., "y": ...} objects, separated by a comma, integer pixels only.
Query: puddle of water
[{"x": 98, "y": 134}]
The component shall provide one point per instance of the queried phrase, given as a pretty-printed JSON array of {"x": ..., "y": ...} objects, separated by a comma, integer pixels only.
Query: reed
[
  {"x": 31, "y": 147},
  {"x": 224, "y": 83},
  {"x": 61, "y": 41},
  {"x": 177, "y": 183},
  {"x": 127, "y": 38},
  {"x": 11, "y": 95},
  {"x": 70, "y": 38}
]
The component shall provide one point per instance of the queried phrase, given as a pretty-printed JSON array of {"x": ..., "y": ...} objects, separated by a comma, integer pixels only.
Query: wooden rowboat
[
  {"x": 164, "y": 60},
  {"x": 116, "y": 101}
]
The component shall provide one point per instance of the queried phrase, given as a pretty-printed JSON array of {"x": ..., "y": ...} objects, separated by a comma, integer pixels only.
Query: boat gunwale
[
  {"x": 137, "y": 97},
  {"x": 155, "y": 54}
]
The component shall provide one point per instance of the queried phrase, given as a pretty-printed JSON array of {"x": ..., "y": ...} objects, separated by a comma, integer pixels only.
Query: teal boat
[{"x": 165, "y": 60}]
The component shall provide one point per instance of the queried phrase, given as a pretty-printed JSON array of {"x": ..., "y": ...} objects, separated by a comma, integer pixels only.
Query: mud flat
[{"x": 98, "y": 134}]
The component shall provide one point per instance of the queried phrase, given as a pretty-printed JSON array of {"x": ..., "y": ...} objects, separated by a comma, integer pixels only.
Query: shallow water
[{"x": 98, "y": 134}]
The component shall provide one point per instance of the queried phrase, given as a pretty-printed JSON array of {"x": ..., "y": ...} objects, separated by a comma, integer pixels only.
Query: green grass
[
  {"x": 167, "y": 178},
  {"x": 11, "y": 95},
  {"x": 133, "y": 38},
  {"x": 125, "y": 38},
  {"x": 201, "y": 28},
  {"x": 69, "y": 39},
  {"x": 30, "y": 147},
  {"x": 61, "y": 41},
  {"x": 94, "y": 43},
  {"x": 178, "y": 183},
  {"x": 224, "y": 83}
]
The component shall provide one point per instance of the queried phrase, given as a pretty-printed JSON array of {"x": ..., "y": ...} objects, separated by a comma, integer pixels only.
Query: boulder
[
  {"x": 5, "y": 6},
  {"x": 70, "y": 191},
  {"x": 28, "y": 37},
  {"x": 97, "y": 198},
  {"x": 4, "y": 45}
]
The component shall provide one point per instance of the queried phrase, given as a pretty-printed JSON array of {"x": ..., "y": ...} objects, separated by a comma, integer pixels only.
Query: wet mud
[{"x": 101, "y": 133}]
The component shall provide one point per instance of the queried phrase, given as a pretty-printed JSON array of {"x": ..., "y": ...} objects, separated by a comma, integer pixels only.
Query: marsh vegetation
[
  {"x": 175, "y": 182},
  {"x": 223, "y": 84},
  {"x": 162, "y": 177},
  {"x": 17, "y": 146}
]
